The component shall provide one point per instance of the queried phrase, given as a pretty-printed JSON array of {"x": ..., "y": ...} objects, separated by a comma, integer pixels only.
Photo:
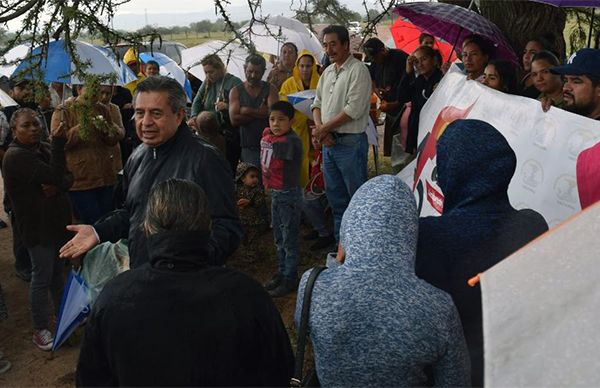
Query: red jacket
[{"x": 281, "y": 160}]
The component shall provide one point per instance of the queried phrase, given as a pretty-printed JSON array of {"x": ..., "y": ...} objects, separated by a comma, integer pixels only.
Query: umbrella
[
  {"x": 406, "y": 38},
  {"x": 270, "y": 36},
  {"x": 169, "y": 68},
  {"x": 454, "y": 23},
  {"x": 74, "y": 307},
  {"x": 302, "y": 101},
  {"x": 576, "y": 3},
  {"x": 540, "y": 309},
  {"x": 16, "y": 53},
  {"x": 233, "y": 56},
  {"x": 6, "y": 100},
  {"x": 571, "y": 3},
  {"x": 58, "y": 65}
]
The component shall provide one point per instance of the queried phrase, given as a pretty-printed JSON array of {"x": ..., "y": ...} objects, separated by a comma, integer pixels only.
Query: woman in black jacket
[
  {"x": 417, "y": 89},
  {"x": 179, "y": 321},
  {"x": 36, "y": 181}
]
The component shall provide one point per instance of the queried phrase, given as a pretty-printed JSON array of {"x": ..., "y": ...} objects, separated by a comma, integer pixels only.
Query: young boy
[
  {"x": 207, "y": 127},
  {"x": 315, "y": 201},
  {"x": 251, "y": 204},
  {"x": 281, "y": 159}
]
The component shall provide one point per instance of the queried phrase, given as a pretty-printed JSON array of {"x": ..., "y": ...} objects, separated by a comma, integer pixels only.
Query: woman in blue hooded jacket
[{"x": 372, "y": 321}]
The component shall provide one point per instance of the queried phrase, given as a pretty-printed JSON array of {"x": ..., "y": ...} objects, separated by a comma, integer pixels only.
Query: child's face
[
  {"x": 315, "y": 142},
  {"x": 251, "y": 178},
  {"x": 279, "y": 123}
]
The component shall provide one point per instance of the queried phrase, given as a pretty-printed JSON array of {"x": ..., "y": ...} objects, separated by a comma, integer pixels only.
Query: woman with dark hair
[
  {"x": 501, "y": 75},
  {"x": 476, "y": 53},
  {"x": 418, "y": 89},
  {"x": 534, "y": 46},
  {"x": 549, "y": 85},
  {"x": 36, "y": 181},
  {"x": 178, "y": 321}
]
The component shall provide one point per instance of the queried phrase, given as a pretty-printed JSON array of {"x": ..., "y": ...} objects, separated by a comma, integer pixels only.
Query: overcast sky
[{"x": 182, "y": 6}]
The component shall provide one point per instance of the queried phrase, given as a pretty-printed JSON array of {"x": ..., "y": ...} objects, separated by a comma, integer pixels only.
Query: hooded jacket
[
  {"x": 478, "y": 226},
  {"x": 132, "y": 56},
  {"x": 177, "y": 321},
  {"x": 183, "y": 156},
  {"x": 300, "y": 124},
  {"x": 372, "y": 321}
]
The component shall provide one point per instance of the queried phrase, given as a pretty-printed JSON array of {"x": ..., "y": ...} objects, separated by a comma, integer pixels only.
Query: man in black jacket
[
  {"x": 178, "y": 321},
  {"x": 169, "y": 150}
]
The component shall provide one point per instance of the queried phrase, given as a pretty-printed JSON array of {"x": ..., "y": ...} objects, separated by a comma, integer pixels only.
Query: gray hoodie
[{"x": 372, "y": 321}]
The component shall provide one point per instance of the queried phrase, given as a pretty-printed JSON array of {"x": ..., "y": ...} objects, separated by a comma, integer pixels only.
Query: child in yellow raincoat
[{"x": 305, "y": 76}]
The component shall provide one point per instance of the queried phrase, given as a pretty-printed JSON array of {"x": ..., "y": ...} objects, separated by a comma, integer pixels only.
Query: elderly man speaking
[{"x": 169, "y": 150}]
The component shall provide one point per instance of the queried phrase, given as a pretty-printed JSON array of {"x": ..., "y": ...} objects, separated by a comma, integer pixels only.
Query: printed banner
[{"x": 546, "y": 144}]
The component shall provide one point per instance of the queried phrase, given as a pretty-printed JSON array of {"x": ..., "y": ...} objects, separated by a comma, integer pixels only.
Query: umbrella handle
[
  {"x": 455, "y": 43},
  {"x": 591, "y": 28}
]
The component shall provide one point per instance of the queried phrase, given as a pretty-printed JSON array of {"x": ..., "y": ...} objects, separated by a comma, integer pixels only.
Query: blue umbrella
[
  {"x": 74, "y": 307},
  {"x": 58, "y": 65},
  {"x": 302, "y": 101},
  {"x": 169, "y": 68}
]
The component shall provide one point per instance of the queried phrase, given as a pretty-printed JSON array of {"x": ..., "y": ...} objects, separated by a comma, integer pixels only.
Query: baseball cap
[{"x": 583, "y": 62}]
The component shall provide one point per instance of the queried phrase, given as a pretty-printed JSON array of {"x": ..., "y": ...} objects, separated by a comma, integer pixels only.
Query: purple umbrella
[
  {"x": 575, "y": 3},
  {"x": 571, "y": 3},
  {"x": 454, "y": 23}
]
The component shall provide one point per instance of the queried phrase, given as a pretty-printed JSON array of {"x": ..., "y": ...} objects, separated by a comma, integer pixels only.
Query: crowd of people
[{"x": 186, "y": 190}]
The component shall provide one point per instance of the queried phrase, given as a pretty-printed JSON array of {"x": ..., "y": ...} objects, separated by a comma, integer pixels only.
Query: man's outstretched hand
[{"x": 84, "y": 240}]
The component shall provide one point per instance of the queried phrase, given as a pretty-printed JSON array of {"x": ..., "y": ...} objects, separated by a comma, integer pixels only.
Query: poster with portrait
[{"x": 546, "y": 144}]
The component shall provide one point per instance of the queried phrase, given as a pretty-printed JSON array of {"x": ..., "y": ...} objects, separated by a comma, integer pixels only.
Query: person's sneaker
[
  {"x": 4, "y": 366},
  {"x": 323, "y": 242},
  {"x": 286, "y": 287},
  {"x": 274, "y": 282},
  {"x": 311, "y": 236},
  {"x": 24, "y": 275},
  {"x": 43, "y": 339}
]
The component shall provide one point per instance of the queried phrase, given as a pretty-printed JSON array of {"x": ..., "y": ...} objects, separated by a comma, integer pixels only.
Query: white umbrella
[
  {"x": 270, "y": 36},
  {"x": 540, "y": 310},
  {"x": 6, "y": 100},
  {"x": 233, "y": 56},
  {"x": 169, "y": 68},
  {"x": 301, "y": 101},
  {"x": 14, "y": 54}
]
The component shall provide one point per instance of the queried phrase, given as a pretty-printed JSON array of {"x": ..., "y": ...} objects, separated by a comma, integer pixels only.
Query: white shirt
[{"x": 346, "y": 89}]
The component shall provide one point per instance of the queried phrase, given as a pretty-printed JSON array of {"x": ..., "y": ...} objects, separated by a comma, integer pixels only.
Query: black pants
[
  {"x": 391, "y": 127},
  {"x": 233, "y": 150},
  {"x": 22, "y": 259}
]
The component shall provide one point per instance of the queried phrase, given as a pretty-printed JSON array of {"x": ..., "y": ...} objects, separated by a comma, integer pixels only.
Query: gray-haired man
[{"x": 169, "y": 150}]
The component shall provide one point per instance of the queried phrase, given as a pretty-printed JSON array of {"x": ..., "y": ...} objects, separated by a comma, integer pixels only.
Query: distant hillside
[{"x": 131, "y": 21}]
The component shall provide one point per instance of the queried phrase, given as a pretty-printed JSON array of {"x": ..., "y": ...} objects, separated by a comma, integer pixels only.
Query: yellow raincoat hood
[
  {"x": 130, "y": 56},
  {"x": 314, "y": 78}
]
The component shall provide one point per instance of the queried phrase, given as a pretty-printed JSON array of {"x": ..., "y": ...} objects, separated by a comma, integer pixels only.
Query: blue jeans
[
  {"x": 315, "y": 212},
  {"x": 92, "y": 204},
  {"x": 285, "y": 213},
  {"x": 345, "y": 170}
]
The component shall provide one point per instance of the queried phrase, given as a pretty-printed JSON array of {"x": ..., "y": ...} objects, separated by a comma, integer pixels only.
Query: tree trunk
[{"x": 522, "y": 21}]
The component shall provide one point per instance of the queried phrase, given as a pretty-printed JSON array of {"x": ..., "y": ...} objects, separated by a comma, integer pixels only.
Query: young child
[
  {"x": 281, "y": 158},
  {"x": 251, "y": 204},
  {"x": 314, "y": 202},
  {"x": 207, "y": 127}
]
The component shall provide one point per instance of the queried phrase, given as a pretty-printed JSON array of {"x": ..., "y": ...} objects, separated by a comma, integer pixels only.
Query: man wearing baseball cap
[
  {"x": 581, "y": 93},
  {"x": 581, "y": 89}
]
